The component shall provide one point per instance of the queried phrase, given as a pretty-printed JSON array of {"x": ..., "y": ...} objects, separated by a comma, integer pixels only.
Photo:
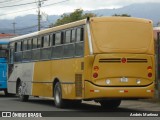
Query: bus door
[{"x": 11, "y": 59}]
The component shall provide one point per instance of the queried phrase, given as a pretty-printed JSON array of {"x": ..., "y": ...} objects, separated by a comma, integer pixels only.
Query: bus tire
[
  {"x": 113, "y": 104},
  {"x": 59, "y": 102},
  {"x": 6, "y": 93},
  {"x": 22, "y": 97}
]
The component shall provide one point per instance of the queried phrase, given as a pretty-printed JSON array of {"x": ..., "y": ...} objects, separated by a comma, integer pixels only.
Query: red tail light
[
  {"x": 149, "y": 75},
  {"x": 123, "y": 60},
  {"x": 95, "y": 75}
]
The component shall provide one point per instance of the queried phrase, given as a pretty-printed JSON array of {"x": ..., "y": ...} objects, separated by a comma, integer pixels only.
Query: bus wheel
[
  {"x": 22, "y": 97},
  {"x": 6, "y": 93},
  {"x": 59, "y": 102},
  {"x": 110, "y": 103}
]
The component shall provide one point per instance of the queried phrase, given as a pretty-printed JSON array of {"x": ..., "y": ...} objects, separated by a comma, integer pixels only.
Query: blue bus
[{"x": 3, "y": 65}]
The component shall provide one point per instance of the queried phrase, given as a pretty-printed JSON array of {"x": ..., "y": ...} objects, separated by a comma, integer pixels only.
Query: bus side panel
[
  {"x": 66, "y": 71},
  {"x": 24, "y": 73},
  {"x": 42, "y": 81}
]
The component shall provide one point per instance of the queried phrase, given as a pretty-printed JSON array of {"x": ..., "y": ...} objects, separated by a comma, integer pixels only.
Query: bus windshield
[
  {"x": 121, "y": 36},
  {"x": 3, "y": 53}
]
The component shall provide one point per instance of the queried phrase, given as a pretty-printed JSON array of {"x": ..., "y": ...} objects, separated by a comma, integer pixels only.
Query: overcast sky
[{"x": 62, "y": 6}]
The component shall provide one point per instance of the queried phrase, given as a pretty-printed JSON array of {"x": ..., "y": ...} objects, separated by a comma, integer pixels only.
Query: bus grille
[
  {"x": 118, "y": 60},
  {"x": 78, "y": 85}
]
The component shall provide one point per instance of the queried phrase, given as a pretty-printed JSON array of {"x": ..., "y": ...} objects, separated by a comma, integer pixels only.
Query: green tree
[
  {"x": 74, "y": 16},
  {"x": 121, "y": 15}
]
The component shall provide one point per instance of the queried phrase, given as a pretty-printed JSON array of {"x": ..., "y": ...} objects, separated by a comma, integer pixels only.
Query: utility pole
[
  {"x": 14, "y": 29},
  {"x": 39, "y": 15}
]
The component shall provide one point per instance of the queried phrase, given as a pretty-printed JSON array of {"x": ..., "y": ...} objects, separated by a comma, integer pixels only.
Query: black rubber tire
[
  {"x": 113, "y": 104},
  {"x": 22, "y": 97},
  {"x": 59, "y": 102},
  {"x": 6, "y": 93}
]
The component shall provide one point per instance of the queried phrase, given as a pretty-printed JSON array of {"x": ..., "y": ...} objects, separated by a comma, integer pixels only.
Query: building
[
  {"x": 6, "y": 36},
  {"x": 155, "y": 31}
]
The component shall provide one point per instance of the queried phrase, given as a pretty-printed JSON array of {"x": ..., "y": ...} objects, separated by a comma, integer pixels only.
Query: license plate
[{"x": 124, "y": 79}]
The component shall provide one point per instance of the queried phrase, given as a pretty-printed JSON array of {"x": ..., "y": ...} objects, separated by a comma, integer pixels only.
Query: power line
[
  {"x": 18, "y": 5},
  {"x": 34, "y": 8},
  {"x": 56, "y": 3},
  {"x": 6, "y": 1},
  {"x": 17, "y": 11}
]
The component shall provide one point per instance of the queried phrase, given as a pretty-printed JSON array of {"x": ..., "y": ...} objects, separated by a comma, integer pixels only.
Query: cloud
[{"x": 61, "y": 8}]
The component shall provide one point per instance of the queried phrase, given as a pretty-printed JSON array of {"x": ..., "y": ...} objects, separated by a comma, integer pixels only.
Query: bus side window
[
  {"x": 29, "y": 44},
  {"x": 80, "y": 34},
  {"x": 73, "y": 35},
  {"x": 58, "y": 38},
  {"x": 15, "y": 47},
  {"x": 39, "y": 44},
  {"x": 25, "y": 45},
  {"x": 79, "y": 45},
  {"x": 19, "y": 46},
  {"x": 46, "y": 50},
  {"x": 52, "y": 39},
  {"x": 34, "y": 44},
  {"x": 68, "y": 36},
  {"x": 62, "y": 37},
  {"x": 45, "y": 41},
  {"x": 57, "y": 49},
  {"x": 18, "y": 52}
]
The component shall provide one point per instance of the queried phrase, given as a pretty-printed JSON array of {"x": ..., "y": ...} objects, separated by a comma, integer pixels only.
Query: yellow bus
[{"x": 105, "y": 59}]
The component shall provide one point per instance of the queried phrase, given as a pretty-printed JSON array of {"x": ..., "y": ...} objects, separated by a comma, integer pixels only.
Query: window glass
[
  {"x": 15, "y": 48},
  {"x": 36, "y": 54},
  {"x": 57, "y": 38},
  {"x": 46, "y": 53},
  {"x": 68, "y": 36},
  {"x": 29, "y": 44},
  {"x": 79, "y": 49},
  {"x": 82, "y": 34},
  {"x": 53, "y": 39},
  {"x": 34, "y": 43},
  {"x": 69, "y": 50},
  {"x": 3, "y": 53},
  {"x": 25, "y": 45},
  {"x": 45, "y": 41},
  {"x": 26, "y": 55},
  {"x": 79, "y": 34},
  {"x": 73, "y": 38},
  {"x": 19, "y": 46},
  {"x": 39, "y": 42},
  {"x": 57, "y": 52},
  {"x": 18, "y": 57}
]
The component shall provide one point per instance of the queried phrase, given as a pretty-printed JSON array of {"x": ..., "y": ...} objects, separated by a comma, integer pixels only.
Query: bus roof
[
  {"x": 4, "y": 41},
  {"x": 76, "y": 23},
  {"x": 60, "y": 27}
]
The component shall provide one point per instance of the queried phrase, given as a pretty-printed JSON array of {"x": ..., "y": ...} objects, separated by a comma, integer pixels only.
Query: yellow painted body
[
  {"x": 112, "y": 38},
  {"x": 45, "y": 72}
]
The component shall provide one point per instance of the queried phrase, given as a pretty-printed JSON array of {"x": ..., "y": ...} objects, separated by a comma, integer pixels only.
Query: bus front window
[{"x": 3, "y": 53}]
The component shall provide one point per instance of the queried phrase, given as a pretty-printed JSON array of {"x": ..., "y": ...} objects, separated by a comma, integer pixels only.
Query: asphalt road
[{"x": 46, "y": 105}]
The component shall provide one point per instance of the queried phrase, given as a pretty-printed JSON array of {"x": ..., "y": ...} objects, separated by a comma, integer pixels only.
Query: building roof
[{"x": 5, "y": 35}]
